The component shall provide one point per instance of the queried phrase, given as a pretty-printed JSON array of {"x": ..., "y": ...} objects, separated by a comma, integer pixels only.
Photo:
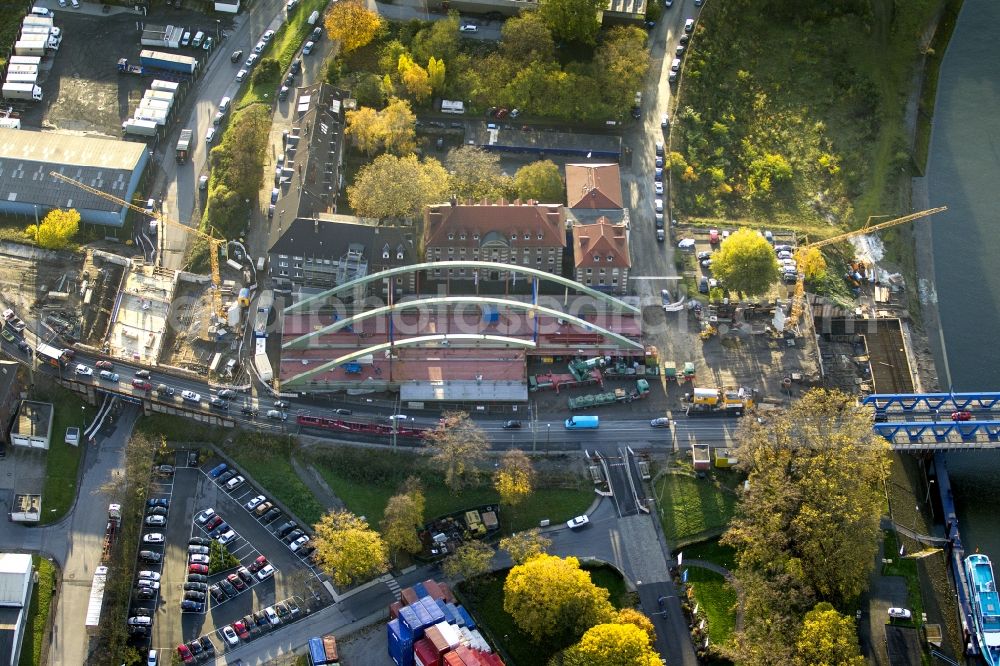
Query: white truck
[
  {"x": 30, "y": 47},
  {"x": 22, "y": 69},
  {"x": 25, "y": 60},
  {"x": 139, "y": 127},
  {"x": 25, "y": 91}
]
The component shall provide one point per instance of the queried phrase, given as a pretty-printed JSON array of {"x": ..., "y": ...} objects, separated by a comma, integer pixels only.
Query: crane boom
[
  {"x": 798, "y": 298},
  {"x": 213, "y": 242}
]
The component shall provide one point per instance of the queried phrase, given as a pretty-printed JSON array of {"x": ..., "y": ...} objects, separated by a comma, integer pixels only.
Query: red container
[
  {"x": 433, "y": 634},
  {"x": 394, "y": 609},
  {"x": 425, "y": 654},
  {"x": 448, "y": 596},
  {"x": 434, "y": 589},
  {"x": 407, "y": 596}
]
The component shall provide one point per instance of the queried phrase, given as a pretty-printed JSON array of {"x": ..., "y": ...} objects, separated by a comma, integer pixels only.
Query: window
[
  {"x": 298, "y": 264},
  {"x": 451, "y": 236},
  {"x": 527, "y": 236},
  {"x": 513, "y": 236},
  {"x": 399, "y": 254},
  {"x": 461, "y": 271},
  {"x": 461, "y": 237},
  {"x": 283, "y": 264},
  {"x": 614, "y": 281},
  {"x": 552, "y": 260},
  {"x": 385, "y": 254},
  {"x": 437, "y": 252},
  {"x": 282, "y": 256},
  {"x": 451, "y": 251},
  {"x": 597, "y": 258},
  {"x": 461, "y": 251},
  {"x": 602, "y": 271},
  {"x": 601, "y": 282},
  {"x": 475, "y": 236},
  {"x": 590, "y": 271},
  {"x": 610, "y": 258},
  {"x": 541, "y": 236},
  {"x": 284, "y": 273},
  {"x": 399, "y": 280},
  {"x": 588, "y": 282},
  {"x": 527, "y": 250},
  {"x": 538, "y": 260},
  {"x": 527, "y": 260},
  {"x": 309, "y": 260}
]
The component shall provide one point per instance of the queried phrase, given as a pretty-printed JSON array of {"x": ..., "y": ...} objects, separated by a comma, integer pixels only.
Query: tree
[
  {"x": 613, "y": 645},
  {"x": 348, "y": 549},
  {"x": 573, "y": 20},
  {"x": 364, "y": 126},
  {"x": 540, "y": 181},
  {"x": 618, "y": 71},
  {"x": 522, "y": 546},
  {"x": 352, "y": 24},
  {"x": 461, "y": 445},
  {"x": 473, "y": 558},
  {"x": 475, "y": 174},
  {"x": 553, "y": 598},
  {"x": 436, "y": 74},
  {"x": 807, "y": 525},
  {"x": 400, "y": 522},
  {"x": 827, "y": 638},
  {"x": 268, "y": 69},
  {"x": 440, "y": 40},
  {"x": 526, "y": 38},
  {"x": 514, "y": 480},
  {"x": 764, "y": 172},
  {"x": 811, "y": 263},
  {"x": 632, "y": 616},
  {"x": 746, "y": 263},
  {"x": 415, "y": 78},
  {"x": 393, "y": 186},
  {"x": 399, "y": 127},
  {"x": 56, "y": 229}
]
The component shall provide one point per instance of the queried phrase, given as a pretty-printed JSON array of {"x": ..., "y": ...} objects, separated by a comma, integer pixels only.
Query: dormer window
[
  {"x": 451, "y": 236},
  {"x": 475, "y": 236},
  {"x": 385, "y": 254},
  {"x": 597, "y": 258},
  {"x": 527, "y": 236},
  {"x": 611, "y": 258},
  {"x": 541, "y": 236},
  {"x": 513, "y": 236},
  {"x": 399, "y": 254},
  {"x": 461, "y": 236}
]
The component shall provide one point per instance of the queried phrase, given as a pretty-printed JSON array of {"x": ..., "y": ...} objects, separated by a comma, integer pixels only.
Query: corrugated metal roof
[{"x": 464, "y": 391}]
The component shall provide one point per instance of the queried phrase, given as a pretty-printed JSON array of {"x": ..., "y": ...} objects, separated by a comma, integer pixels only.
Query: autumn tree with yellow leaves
[
  {"x": 397, "y": 187},
  {"x": 348, "y": 550},
  {"x": 404, "y": 515},
  {"x": 392, "y": 129},
  {"x": 828, "y": 637},
  {"x": 613, "y": 645},
  {"x": 56, "y": 229},
  {"x": 352, "y": 24},
  {"x": 514, "y": 479},
  {"x": 460, "y": 446},
  {"x": 469, "y": 560}
]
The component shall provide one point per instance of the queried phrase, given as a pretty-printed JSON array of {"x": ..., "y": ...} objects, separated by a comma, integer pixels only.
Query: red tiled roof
[
  {"x": 608, "y": 242},
  {"x": 503, "y": 219},
  {"x": 593, "y": 186}
]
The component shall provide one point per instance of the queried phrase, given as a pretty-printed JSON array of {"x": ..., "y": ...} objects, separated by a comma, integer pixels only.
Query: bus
[{"x": 582, "y": 423}]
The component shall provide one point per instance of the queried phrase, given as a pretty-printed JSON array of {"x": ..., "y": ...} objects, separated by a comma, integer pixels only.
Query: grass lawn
[
  {"x": 271, "y": 470},
  {"x": 717, "y": 599},
  {"x": 38, "y": 614},
  {"x": 369, "y": 500},
  {"x": 485, "y": 602},
  {"x": 177, "y": 429},
  {"x": 907, "y": 568},
  {"x": 62, "y": 462},
  {"x": 689, "y": 506},
  {"x": 711, "y": 551}
]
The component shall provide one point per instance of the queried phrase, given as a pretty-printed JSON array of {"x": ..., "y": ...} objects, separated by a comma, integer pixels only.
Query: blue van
[
  {"x": 219, "y": 469},
  {"x": 582, "y": 423}
]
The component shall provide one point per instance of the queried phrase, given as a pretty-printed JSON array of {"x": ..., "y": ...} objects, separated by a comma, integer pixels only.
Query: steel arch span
[
  {"x": 448, "y": 300},
  {"x": 407, "y": 342},
  {"x": 490, "y": 265}
]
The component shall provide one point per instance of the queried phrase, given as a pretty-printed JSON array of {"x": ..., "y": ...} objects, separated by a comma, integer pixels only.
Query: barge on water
[{"x": 985, "y": 605}]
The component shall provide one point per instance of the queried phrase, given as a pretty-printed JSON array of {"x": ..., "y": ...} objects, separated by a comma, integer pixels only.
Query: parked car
[
  {"x": 266, "y": 572},
  {"x": 308, "y": 48},
  {"x": 272, "y": 616},
  {"x": 198, "y": 558},
  {"x": 207, "y": 645},
  {"x": 158, "y": 501},
  {"x": 199, "y": 541},
  {"x": 156, "y": 521},
  {"x": 194, "y": 595},
  {"x": 258, "y": 564},
  {"x": 236, "y": 582},
  {"x": 148, "y": 584},
  {"x": 198, "y": 568},
  {"x": 272, "y": 515},
  {"x": 229, "y": 635},
  {"x": 900, "y": 613},
  {"x": 228, "y": 588},
  {"x": 197, "y": 578},
  {"x": 104, "y": 365},
  {"x": 298, "y": 543},
  {"x": 241, "y": 630},
  {"x": 263, "y": 508},
  {"x": 245, "y": 575},
  {"x": 217, "y": 593},
  {"x": 218, "y": 470},
  {"x": 293, "y": 535},
  {"x": 184, "y": 652},
  {"x": 198, "y": 550},
  {"x": 195, "y": 587},
  {"x": 156, "y": 511},
  {"x": 235, "y": 483},
  {"x": 221, "y": 528},
  {"x": 226, "y": 476},
  {"x": 213, "y": 522},
  {"x": 150, "y": 556},
  {"x": 285, "y": 528},
  {"x": 154, "y": 537},
  {"x": 226, "y": 537},
  {"x": 578, "y": 522}
]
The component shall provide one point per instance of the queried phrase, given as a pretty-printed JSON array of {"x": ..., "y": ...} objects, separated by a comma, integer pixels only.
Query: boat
[{"x": 985, "y": 606}]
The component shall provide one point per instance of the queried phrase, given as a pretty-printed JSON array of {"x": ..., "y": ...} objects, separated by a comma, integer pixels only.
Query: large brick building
[
  {"x": 527, "y": 234},
  {"x": 600, "y": 256}
]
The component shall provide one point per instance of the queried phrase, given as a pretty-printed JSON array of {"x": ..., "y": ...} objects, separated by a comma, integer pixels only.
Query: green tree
[
  {"x": 765, "y": 172},
  {"x": 551, "y": 598},
  {"x": 807, "y": 525},
  {"x": 348, "y": 549},
  {"x": 613, "y": 645},
  {"x": 526, "y": 38},
  {"x": 618, "y": 71},
  {"x": 514, "y": 479},
  {"x": 828, "y": 638},
  {"x": 471, "y": 559},
  {"x": 268, "y": 69},
  {"x": 475, "y": 174},
  {"x": 352, "y": 24},
  {"x": 439, "y": 40},
  {"x": 402, "y": 518},
  {"x": 393, "y": 186},
  {"x": 368, "y": 90},
  {"x": 573, "y": 20},
  {"x": 746, "y": 263},
  {"x": 56, "y": 229},
  {"x": 461, "y": 445},
  {"x": 522, "y": 546},
  {"x": 540, "y": 181}
]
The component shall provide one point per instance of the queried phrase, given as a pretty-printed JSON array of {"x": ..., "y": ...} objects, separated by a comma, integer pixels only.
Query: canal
[{"x": 964, "y": 174}]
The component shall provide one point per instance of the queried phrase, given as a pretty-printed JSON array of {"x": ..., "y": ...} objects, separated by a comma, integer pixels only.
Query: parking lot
[{"x": 190, "y": 491}]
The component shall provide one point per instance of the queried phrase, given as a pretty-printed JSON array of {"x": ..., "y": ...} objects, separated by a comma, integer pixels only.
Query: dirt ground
[{"x": 24, "y": 272}]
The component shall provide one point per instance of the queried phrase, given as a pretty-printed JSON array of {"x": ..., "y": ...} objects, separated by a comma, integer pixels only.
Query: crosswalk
[{"x": 393, "y": 586}]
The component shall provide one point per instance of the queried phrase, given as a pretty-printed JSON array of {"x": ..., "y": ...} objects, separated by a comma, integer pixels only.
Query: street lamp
[
  {"x": 548, "y": 433},
  {"x": 83, "y": 419}
]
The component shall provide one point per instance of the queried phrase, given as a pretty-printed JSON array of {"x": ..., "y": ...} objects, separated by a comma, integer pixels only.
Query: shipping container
[
  {"x": 420, "y": 590},
  {"x": 168, "y": 61},
  {"x": 425, "y": 653},
  {"x": 155, "y": 104},
  {"x": 17, "y": 77},
  {"x": 317, "y": 657},
  {"x": 22, "y": 69},
  {"x": 469, "y": 622},
  {"x": 38, "y": 20},
  {"x": 164, "y": 95},
  {"x": 30, "y": 47},
  {"x": 448, "y": 596},
  {"x": 330, "y": 647},
  {"x": 165, "y": 86},
  {"x": 400, "y": 647},
  {"x": 394, "y": 609},
  {"x": 408, "y": 596},
  {"x": 25, "y": 60},
  {"x": 434, "y": 613},
  {"x": 140, "y": 127},
  {"x": 434, "y": 635},
  {"x": 433, "y": 589}
]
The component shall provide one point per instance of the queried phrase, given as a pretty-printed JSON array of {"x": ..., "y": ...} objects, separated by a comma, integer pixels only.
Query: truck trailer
[
  {"x": 29, "y": 32},
  {"x": 161, "y": 95},
  {"x": 25, "y": 60},
  {"x": 30, "y": 48},
  {"x": 154, "y": 104},
  {"x": 26, "y": 91},
  {"x": 184, "y": 145},
  {"x": 38, "y": 20},
  {"x": 158, "y": 117},
  {"x": 140, "y": 127},
  {"x": 18, "y": 77},
  {"x": 22, "y": 69},
  {"x": 172, "y": 62},
  {"x": 164, "y": 86}
]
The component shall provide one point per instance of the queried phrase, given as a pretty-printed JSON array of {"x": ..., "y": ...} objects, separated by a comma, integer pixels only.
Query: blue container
[
  {"x": 435, "y": 613},
  {"x": 409, "y": 624},
  {"x": 444, "y": 609},
  {"x": 453, "y": 611},
  {"x": 317, "y": 655},
  {"x": 469, "y": 622},
  {"x": 420, "y": 590},
  {"x": 397, "y": 640},
  {"x": 400, "y": 651}
]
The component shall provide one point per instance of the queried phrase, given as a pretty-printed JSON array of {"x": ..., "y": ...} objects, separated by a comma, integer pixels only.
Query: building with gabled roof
[
  {"x": 601, "y": 256},
  {"x": 597, "y": 186},
  {"x": 530, "y": 234}
]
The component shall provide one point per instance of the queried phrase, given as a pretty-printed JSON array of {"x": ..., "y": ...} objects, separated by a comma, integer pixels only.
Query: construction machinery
[
  {"x": 798, "y": 299},
  {"x": 610, "y": 397},
  {"x": 719, "y": 401},
  {"x": 214, "y": 244}
]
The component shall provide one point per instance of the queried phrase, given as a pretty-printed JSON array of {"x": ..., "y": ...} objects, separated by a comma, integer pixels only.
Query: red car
[
  {"x": 961, "y": 416},
  {"x": 241, "y": 630},
  {"x": 258, "y": 564},
  {"x": 105, "y": 365},
  {"x": 713, "y": 236},
  {"x": 140, "y": 384},
  {"x": 213, "y": 522},
  {"x": 184, "y": 652},
  {"x": 198, "y": 568},
  {"x": 236, "y": 582}
]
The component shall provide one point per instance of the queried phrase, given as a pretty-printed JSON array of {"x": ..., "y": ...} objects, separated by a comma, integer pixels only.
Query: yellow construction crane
[
  {"x": 213, "y": 243},
  {"x": 798, "y": 299}
]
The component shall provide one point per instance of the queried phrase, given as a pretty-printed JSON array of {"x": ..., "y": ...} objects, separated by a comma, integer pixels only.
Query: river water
[{"x": 964, "y": 174}]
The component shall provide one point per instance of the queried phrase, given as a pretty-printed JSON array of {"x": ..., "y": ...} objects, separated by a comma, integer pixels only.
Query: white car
[
  {"x": 205, "y": 516},
  {"x": 255, "y": 502},
  {"x": 149, "y": 575},
  {"x": 686, "y": 244},
  {"x": 240, "y": 75},
  {"x": 308, "y": 48},
  {"x": 900, "y": 613},
  {"x": 664, "y": 121},
  {"x": 272, "y": 617},
  {"x": 578, "y": 522},
  {"x": 266, "y": 572},
  {"x": 229, "y": 635},
  {"x": 155, "y": 537},
  {"x": 259, "y": 46},
  {"x": 469, "y": 27},
  {"x": 191, "y": 396},
  {"x": 197, "y": 559},
  {"x": 658, "y": 187},
  {"x": 225, "y": 537},
  {"x": 658, "y": 205},
  {"x": 298, "y": 543},
  {"x": 266, "y": 37},
  {"x": 234, "y": 483},
  {"x": 151, "y": 658},
  {"x": 156, "y": 521},
  {"x": 397, "y": 417},
  {"x": 83, "y": 370}
]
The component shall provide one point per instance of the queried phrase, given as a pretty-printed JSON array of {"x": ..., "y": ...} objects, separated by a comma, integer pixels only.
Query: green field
[
  {"x": 62, "y": 462},
  {"x": 38, "y": 613},
  {"x": 485, "y": 601},
  {"x": 717, "y": 600},
  {"x": 690, "y": 507},
  {"x": 711, "y": 551}
]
